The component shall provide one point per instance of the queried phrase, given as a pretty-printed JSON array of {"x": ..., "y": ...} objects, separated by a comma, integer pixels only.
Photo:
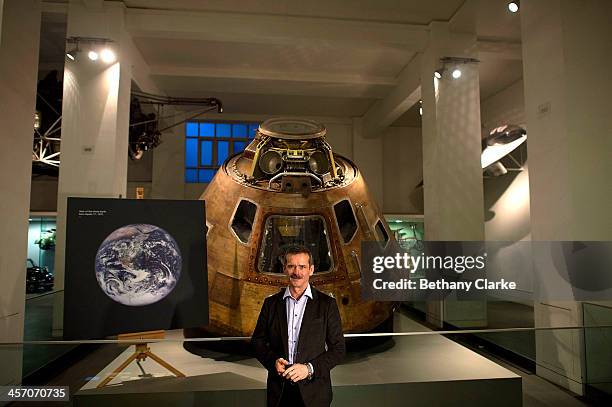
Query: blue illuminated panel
[
  {"x": 206, "y": 152},
  {"x": 191, "y": 152},
  {"x": 224, "y": 130},
  {"x": 253, "y": 129},
  {"x": 239, "y": 146},
  {"x": 209, "y": 144},
  {"x": 191, "y": 176},
  {"x": 239, "y": 130},
  {"x": 207, "y": 130},
  {"x": 222, "y": 151},
  {"x": 192, "y": 129},
  {"x": 206, "y": 175}
]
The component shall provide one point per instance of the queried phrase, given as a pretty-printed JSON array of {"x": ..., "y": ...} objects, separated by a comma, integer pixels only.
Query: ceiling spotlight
[
  {"x": 514, "y": 6},
  {"x": 454, "y": 63},
  {"x": 72, "y": 54},
  {"x": 107, "y": 55},
  {"x": 91, "y": 45}
]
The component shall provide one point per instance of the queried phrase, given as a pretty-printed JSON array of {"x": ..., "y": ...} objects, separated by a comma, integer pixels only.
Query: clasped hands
[{"x": 295, "y": 372}]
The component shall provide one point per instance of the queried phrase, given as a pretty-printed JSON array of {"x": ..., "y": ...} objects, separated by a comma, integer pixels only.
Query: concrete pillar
[
  {"x": 95, "y": 119},
  {"x": 452, "y": 174},
  {"x": 566, "y": 60},
  {"x": 19, "y": 40}
]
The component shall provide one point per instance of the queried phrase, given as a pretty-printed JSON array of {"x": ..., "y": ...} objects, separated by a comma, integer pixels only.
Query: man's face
[{"x": 298, "y": 270}]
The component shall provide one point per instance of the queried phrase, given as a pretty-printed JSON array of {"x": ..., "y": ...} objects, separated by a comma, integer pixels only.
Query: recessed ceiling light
[
  {"x": 514, "y": 6},
  {"x": 457, "y": 73},
  {"x": 93, "y": 55}
]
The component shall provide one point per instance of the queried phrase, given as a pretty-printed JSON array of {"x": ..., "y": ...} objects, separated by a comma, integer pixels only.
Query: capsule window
[
  {"x": 347, "y": 224},
  {"x": 281, "y": 231},
  {"x": 381, "y": 234},
  {"x": 242, "y": 222}
]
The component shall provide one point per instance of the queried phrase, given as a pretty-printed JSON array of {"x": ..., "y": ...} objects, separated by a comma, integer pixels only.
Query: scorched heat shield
[{"x": 288, "y": 187}]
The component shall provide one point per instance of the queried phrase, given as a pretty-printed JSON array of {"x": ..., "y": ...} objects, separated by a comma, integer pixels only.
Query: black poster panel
[{"x": 133, "y": 266}]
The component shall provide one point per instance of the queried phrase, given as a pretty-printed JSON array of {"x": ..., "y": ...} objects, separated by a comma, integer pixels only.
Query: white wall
[
  {"x": 506, "y": 106},
  {"x": 506, "y": 200},
  {"x": 507, "y": 214},
  {"x": 368, "y": 156},
  {"x": 402, "y": 170},
  {"x": 168, "y": 167},
  {"x": 507, "y": 219}
]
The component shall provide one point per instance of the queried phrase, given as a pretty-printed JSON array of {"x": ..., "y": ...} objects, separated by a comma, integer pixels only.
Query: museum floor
[{"x": 536, "y": 392}]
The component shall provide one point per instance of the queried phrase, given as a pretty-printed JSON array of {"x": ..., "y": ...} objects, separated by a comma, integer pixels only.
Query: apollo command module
[{"x": 288, "y": 187}]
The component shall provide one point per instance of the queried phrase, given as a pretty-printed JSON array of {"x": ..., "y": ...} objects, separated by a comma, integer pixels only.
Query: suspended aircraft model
[{"x": 498, "y": 151}]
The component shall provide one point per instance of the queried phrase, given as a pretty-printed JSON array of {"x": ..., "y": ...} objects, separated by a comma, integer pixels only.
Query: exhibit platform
[{"x": 423, "y": 370}]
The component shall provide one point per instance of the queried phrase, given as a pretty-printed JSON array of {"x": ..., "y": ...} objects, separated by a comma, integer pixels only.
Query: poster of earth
[{"x": 134, "y": 266}]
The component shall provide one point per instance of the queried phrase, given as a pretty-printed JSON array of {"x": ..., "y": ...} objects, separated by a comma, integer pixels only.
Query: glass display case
[
  {"x": 41, "y": 253},
  {"x": 409, "y": 231}
]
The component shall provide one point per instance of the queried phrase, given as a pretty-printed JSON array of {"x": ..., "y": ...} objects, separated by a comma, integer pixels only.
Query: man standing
[{"x": 298, "y": 337}]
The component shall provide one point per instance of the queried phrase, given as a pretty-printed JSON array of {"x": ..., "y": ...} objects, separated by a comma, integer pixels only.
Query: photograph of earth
[
  {"x": 134, "y": 265},
  {"x": 138, "y": 264}
]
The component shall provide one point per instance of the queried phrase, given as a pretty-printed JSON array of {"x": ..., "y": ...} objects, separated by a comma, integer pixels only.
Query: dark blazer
[{"x": 321, "y": 325}]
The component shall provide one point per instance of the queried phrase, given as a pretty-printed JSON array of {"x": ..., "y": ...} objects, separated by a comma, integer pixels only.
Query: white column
[
  {"x": 452, "y": 174},
  {"x": 19, "y": 40},
  {"x": 95, "y": 119},
  {"x": 566, "y": 60}
]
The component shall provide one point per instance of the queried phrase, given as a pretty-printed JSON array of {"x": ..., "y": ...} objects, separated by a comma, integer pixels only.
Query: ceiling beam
[
  {"x": 498, "y": 49},
  {"x": 242, "y": 73},
  {"x": 272, "y": 29},
  {"x": 140, "y": 70},
  {"x": 280, "y": 83},
  {"x": 56, "y": 8},
  {"x": 407, "y": 92},
  {"x": 93, "y": 4}
]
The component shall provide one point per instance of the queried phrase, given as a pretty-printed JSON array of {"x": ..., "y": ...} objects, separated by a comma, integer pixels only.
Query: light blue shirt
[{"x": 295, "y": 314}]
